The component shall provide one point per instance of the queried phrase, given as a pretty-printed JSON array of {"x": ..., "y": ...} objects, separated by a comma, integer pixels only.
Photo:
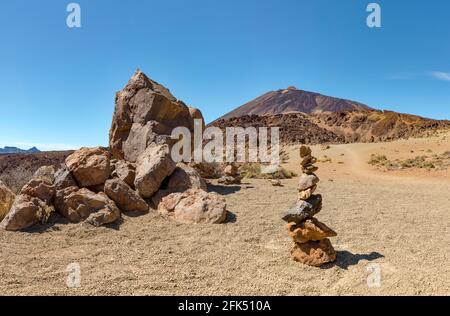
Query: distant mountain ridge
[
  {"x": 15, "y": 150},
  {"x": 294, "y": 100}
]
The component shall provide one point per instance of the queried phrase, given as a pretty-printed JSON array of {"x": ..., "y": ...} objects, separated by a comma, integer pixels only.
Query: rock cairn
[
  {"x": 135, "y": 174},
  {"x": 231, "y": 175},
  {"x": 311, "y": 244}
]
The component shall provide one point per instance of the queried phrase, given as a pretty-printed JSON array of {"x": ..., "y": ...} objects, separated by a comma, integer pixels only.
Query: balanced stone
[
  {"x": 314, "y": 253},
  {"x": 305, "y": 151},
  {"x": 306, "y": 194},
  {"x": 307, "y": 181},
  {"x": 304, "y": 210},
  {"x": 309, "y": 169},
  {"x": 309, "y": 230}
]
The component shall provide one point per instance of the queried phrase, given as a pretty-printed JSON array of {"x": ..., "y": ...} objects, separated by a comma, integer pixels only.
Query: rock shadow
[
  {"x": 231, "y": 218},
  {"x": 345, "y": 259},
  {"x": 223, "y": 189}
]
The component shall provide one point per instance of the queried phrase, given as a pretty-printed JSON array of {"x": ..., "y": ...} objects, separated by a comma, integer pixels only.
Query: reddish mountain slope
[{"x": 293, "y": 100}]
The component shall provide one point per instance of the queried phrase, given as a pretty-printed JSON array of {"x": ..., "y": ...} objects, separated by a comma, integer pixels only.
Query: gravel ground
[{"x": 399, "y": 224}]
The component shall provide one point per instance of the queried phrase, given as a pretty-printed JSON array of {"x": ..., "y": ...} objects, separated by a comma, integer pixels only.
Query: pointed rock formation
[{"x": 146, "y": 112}]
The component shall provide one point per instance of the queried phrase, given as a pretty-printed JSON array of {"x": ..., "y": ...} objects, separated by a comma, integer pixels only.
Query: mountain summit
[{"x": 292, "y": 99}]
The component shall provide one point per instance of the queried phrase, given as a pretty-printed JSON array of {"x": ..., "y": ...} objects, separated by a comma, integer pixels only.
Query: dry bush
[{"x": 254, "y": 171}]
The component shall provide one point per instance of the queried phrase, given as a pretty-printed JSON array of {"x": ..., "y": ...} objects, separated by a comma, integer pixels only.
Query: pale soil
[{"x": 398, "y": 220}]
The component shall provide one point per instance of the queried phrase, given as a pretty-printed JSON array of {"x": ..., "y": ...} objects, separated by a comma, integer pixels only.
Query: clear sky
[{"x": 57, "y": 84}]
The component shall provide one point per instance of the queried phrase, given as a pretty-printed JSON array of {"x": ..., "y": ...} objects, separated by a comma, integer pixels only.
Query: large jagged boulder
[
  {"x": 25, "y": 212},
  {"x": 145, "y": 112},
  {"x": 124, "y": 196},
  {"x": 6, "y": 200},
  {"x": 79, "y": 205},
  {"x": 90, "y": 166},
  {"x": 194, "y": 207},
  {"x": 154, "y": 165}
]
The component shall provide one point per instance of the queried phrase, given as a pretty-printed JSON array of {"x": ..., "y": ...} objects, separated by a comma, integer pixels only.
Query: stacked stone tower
[{"x": 311, "y": 243}]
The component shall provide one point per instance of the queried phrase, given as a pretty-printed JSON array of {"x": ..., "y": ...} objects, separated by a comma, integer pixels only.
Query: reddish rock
[
  {"x": 25, "y": 212},
  {"x": 145, "y": 112},
  {"x": 125, "y": 198},
  {"x": 81, "y": 204},
  {"x": 194, "y": 207},
  {"x": 153, "y": 166},
  {"x": 6, "y": 200},
  {"x": 309, "y": 230},
  {"x": 90, "y": 166},
  {"x": 314, "y": 253}
]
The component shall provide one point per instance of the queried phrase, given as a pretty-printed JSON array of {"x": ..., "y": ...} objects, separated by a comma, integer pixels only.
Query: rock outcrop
[
  {"x": 145, "y": 113},
  {"x": 94, "y": 185},
  {"x": 311, "y": 244}
]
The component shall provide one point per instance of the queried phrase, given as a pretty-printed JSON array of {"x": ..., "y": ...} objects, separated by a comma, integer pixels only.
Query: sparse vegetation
[
  {"x": 420, "y": 162},
  {"x": 255, "y": 171}
]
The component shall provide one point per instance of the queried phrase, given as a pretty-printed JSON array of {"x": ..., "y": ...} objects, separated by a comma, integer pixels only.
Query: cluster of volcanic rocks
[
  {"x": 135, "y": 174},
  {"x": 311, "y": 244}
]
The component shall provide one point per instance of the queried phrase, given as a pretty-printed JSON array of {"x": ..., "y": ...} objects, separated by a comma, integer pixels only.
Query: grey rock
[
  {"x": 304, "y": 210},
  {"x": 307, "y": 181}
]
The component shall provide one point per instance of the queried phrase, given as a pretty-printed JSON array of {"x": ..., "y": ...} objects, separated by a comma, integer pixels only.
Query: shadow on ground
[
  {"x": 223, "y": 189},
  {"x": 345, "y": 259}
]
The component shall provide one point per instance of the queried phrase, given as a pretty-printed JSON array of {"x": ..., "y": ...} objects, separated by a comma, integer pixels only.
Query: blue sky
[{"x": 57, "y": 85}]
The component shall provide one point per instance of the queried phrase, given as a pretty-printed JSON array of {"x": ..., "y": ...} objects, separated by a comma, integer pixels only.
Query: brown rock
[
  {"x": 41, "y": 189},
  {"x": 90, "y": 166},
  {"x": 81, "y": 204},
  {"x": 140, "y": 102},
  {"x": 46, "y": 173},
  {"x": 309, "y": 230},
  {"x": 308, "y": 160},
  {"x": 196, "y": 114},
  {"x": 194, "y": 207},
  {"x": 125, "y": 198},
  {"x": 6, "y": 200},
  {"x": 126, "y": 171},
  {"x": 208, "y": 170},
  {"x": 230, "y": 170},
  {"x": 305, "y": 151},
  {"x": 153, "y": 166},
  {"x": 229, "y": 180},
  {"x": 184, "y": 178},
  {"x": 310, "y": 169},
  {"x": 307, "y": 181},
  {"x": 306, "y": 194},
  {"x": 314, "y": 253},
  {"x": 25, "y": 212},
  {"x": 276, "y": 183}
]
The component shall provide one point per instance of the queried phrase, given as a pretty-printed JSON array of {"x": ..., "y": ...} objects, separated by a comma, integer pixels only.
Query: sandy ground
[{"x": 396, "y": 220}]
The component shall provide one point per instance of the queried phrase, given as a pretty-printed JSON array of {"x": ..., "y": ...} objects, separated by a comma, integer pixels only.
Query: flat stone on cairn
[{"x": 311, "y": 244}]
